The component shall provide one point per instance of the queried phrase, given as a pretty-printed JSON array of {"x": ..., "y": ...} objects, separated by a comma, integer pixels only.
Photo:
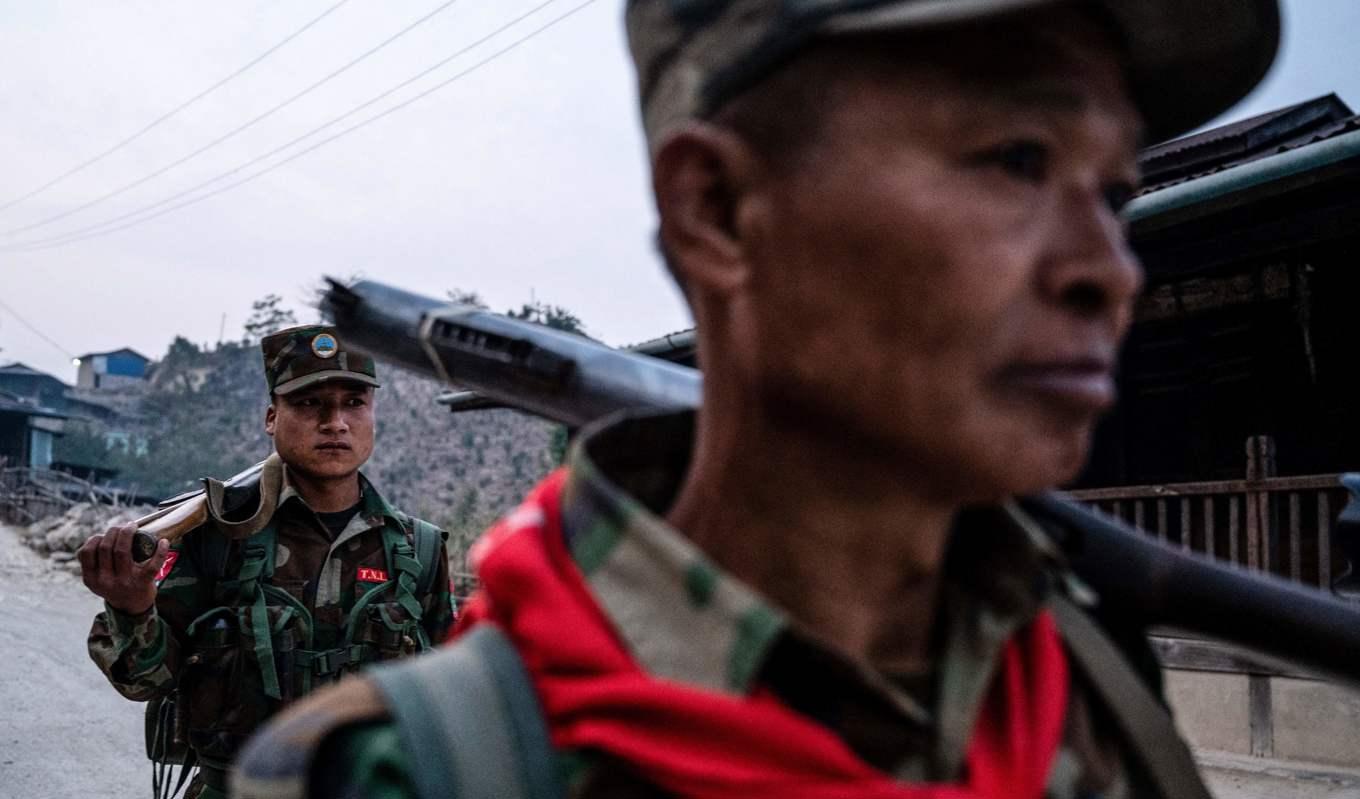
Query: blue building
[{"x": 114, "y": 369}]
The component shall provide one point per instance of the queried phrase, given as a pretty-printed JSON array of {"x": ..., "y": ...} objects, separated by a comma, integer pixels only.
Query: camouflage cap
[
  {"x": 1189, "y": 60},
  {"x": 298, "y": 357}
]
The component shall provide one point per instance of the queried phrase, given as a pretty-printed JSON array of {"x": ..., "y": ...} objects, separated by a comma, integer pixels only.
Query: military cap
[
  {"x": 1188, "y": 60},
  {"x": 298, "y": 357}
]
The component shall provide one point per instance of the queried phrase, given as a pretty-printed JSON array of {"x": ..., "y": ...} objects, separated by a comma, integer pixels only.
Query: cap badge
[{"x": 325, "y": 346}]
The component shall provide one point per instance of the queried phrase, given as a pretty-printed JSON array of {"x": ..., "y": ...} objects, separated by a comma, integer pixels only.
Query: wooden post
[
  {"x": 1267, "y": 527},
  {"x": 1260, "y": 715},
  {"x": 1260, "y": 467},
  {"x": 1324, "y": 541},
  {"x": 1295, "y": 545},
  {"x": 1209, "y": 527},
  {"x": 1253, "y": 518},
  {"x": 1233, "y": 526}
]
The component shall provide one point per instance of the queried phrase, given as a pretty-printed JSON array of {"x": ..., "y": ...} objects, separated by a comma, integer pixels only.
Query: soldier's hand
[{"x": 107, "y": 567}]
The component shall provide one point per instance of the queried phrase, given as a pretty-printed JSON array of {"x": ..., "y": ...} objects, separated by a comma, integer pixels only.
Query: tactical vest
[{"x": 256, "y": 649}]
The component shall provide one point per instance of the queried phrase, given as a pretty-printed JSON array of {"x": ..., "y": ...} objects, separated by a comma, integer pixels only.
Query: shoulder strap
[
  {"x": 216, "y": 550},
  {"x": 257, "y": 566},
  {"x": 470, "y": 719},
  {"x": 427, "y": 544},
  {"x": 1144, "y": 720}
]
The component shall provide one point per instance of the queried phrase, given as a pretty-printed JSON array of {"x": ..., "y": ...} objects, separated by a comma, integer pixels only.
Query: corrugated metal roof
[
  {"x": 17, "y": 368},
  {"x": 671, "y": 342},
  {"x": 1330, "y": 132},
  {"x": 115, "y": 352},
  {"x": 1233, "y": 129},
  {"x": 1276, "y": 173},
  {"x": 1244, "y": 141}
]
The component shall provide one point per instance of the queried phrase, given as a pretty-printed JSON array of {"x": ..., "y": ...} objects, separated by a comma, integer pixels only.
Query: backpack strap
[
  {"x": 257, "y": 566},
  {"x": 1144, "y": 720},
  {"x": 471, "y": 721},
  {"x": 427, "y": 541}
]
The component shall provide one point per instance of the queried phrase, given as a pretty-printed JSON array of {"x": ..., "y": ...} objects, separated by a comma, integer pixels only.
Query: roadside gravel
[{"x": 63, "y": 731}]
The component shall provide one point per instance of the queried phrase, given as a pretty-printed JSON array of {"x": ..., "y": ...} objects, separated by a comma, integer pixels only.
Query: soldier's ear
[
  {"x": 270, "y": 418},
  {"x": 702, "y": 176}
]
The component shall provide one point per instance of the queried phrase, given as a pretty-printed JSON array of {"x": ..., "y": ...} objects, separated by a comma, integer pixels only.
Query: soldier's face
[
  {"x": 945, "y": 276},
  {"x": 323, "y": 431}
]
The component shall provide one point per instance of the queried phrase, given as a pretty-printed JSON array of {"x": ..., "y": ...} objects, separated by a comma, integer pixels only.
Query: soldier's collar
[
  {"x": 680, "y": 616},
  {"x": 684, "y": 618},
  {"x": 373, "y": 507}
]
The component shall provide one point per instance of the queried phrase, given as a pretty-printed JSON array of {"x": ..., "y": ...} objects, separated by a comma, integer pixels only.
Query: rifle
[{"x": 572, "y": 380}]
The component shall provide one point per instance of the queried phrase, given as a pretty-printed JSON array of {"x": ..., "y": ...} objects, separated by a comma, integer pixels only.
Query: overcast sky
[{"x": 524, "y": 178}]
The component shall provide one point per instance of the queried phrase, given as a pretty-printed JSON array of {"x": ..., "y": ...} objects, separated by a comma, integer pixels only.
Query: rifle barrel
[
  {"x": 558, "y": 375},
  {"x": 1141, "y": 578}
]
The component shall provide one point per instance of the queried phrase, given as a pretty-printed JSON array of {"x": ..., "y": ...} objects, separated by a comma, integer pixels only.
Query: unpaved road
[{"x": 63, "y": 731}]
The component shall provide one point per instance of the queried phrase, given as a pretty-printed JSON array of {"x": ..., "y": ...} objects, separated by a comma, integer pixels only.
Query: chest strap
[
  {"x": 408, "y": 570},
  {"x": 1145, "y": 722}
]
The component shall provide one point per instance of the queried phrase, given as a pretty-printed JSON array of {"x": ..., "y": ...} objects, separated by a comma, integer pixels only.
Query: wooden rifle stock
[
  {"x": 177, "y": 516},
  {"x": 170, "y": 523}
]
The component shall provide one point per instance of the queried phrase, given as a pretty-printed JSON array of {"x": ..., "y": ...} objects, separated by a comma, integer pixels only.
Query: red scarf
[{"x": 701, "y": 744}]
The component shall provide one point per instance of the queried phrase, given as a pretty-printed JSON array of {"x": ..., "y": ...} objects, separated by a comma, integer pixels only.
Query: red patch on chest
[
  {"x": 170, "y": 558},
  {"x": 368, "y": 575}
]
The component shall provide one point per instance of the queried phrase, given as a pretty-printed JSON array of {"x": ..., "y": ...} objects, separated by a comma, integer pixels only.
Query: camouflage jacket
[
  {"x": 916, "y": 726},
  {"x": 328, "y": 605}
]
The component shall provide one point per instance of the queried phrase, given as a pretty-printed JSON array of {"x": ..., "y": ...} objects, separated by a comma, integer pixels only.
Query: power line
[
  {"x": 172, "y": 112},
  {"x": 72, "y": 238},
  {"x": 80, "y": 232},
  {"x": 21, "y": 320},
  {"x": 235, "y": 131}
]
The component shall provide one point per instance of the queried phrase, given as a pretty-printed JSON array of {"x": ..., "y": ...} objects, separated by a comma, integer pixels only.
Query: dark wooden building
[
  {"x": 1249, "y": 235},
  {"x": 27, "y": 432},
  {"x": 22, "y": 380}
]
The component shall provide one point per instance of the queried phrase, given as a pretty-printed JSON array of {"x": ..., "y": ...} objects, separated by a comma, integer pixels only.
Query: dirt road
[{"x": 63, "y": 731}]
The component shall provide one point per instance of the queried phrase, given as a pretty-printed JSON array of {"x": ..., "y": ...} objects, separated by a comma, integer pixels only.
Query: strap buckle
[{"x": 333, "y": 661}]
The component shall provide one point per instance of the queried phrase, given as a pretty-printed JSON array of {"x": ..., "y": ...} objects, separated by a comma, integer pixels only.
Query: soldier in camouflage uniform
[
  {"x": 897, "y": 225},
  {"x": 235, "y": 630}
]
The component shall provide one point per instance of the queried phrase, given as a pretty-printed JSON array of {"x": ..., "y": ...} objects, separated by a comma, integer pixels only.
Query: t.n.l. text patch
[{"x": 371, "y": 575}]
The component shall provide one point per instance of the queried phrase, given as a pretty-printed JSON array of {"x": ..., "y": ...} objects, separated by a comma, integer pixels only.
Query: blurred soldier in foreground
[
  {"x": 897, "y": 225},
  {"x": 230, "y": 631}
]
